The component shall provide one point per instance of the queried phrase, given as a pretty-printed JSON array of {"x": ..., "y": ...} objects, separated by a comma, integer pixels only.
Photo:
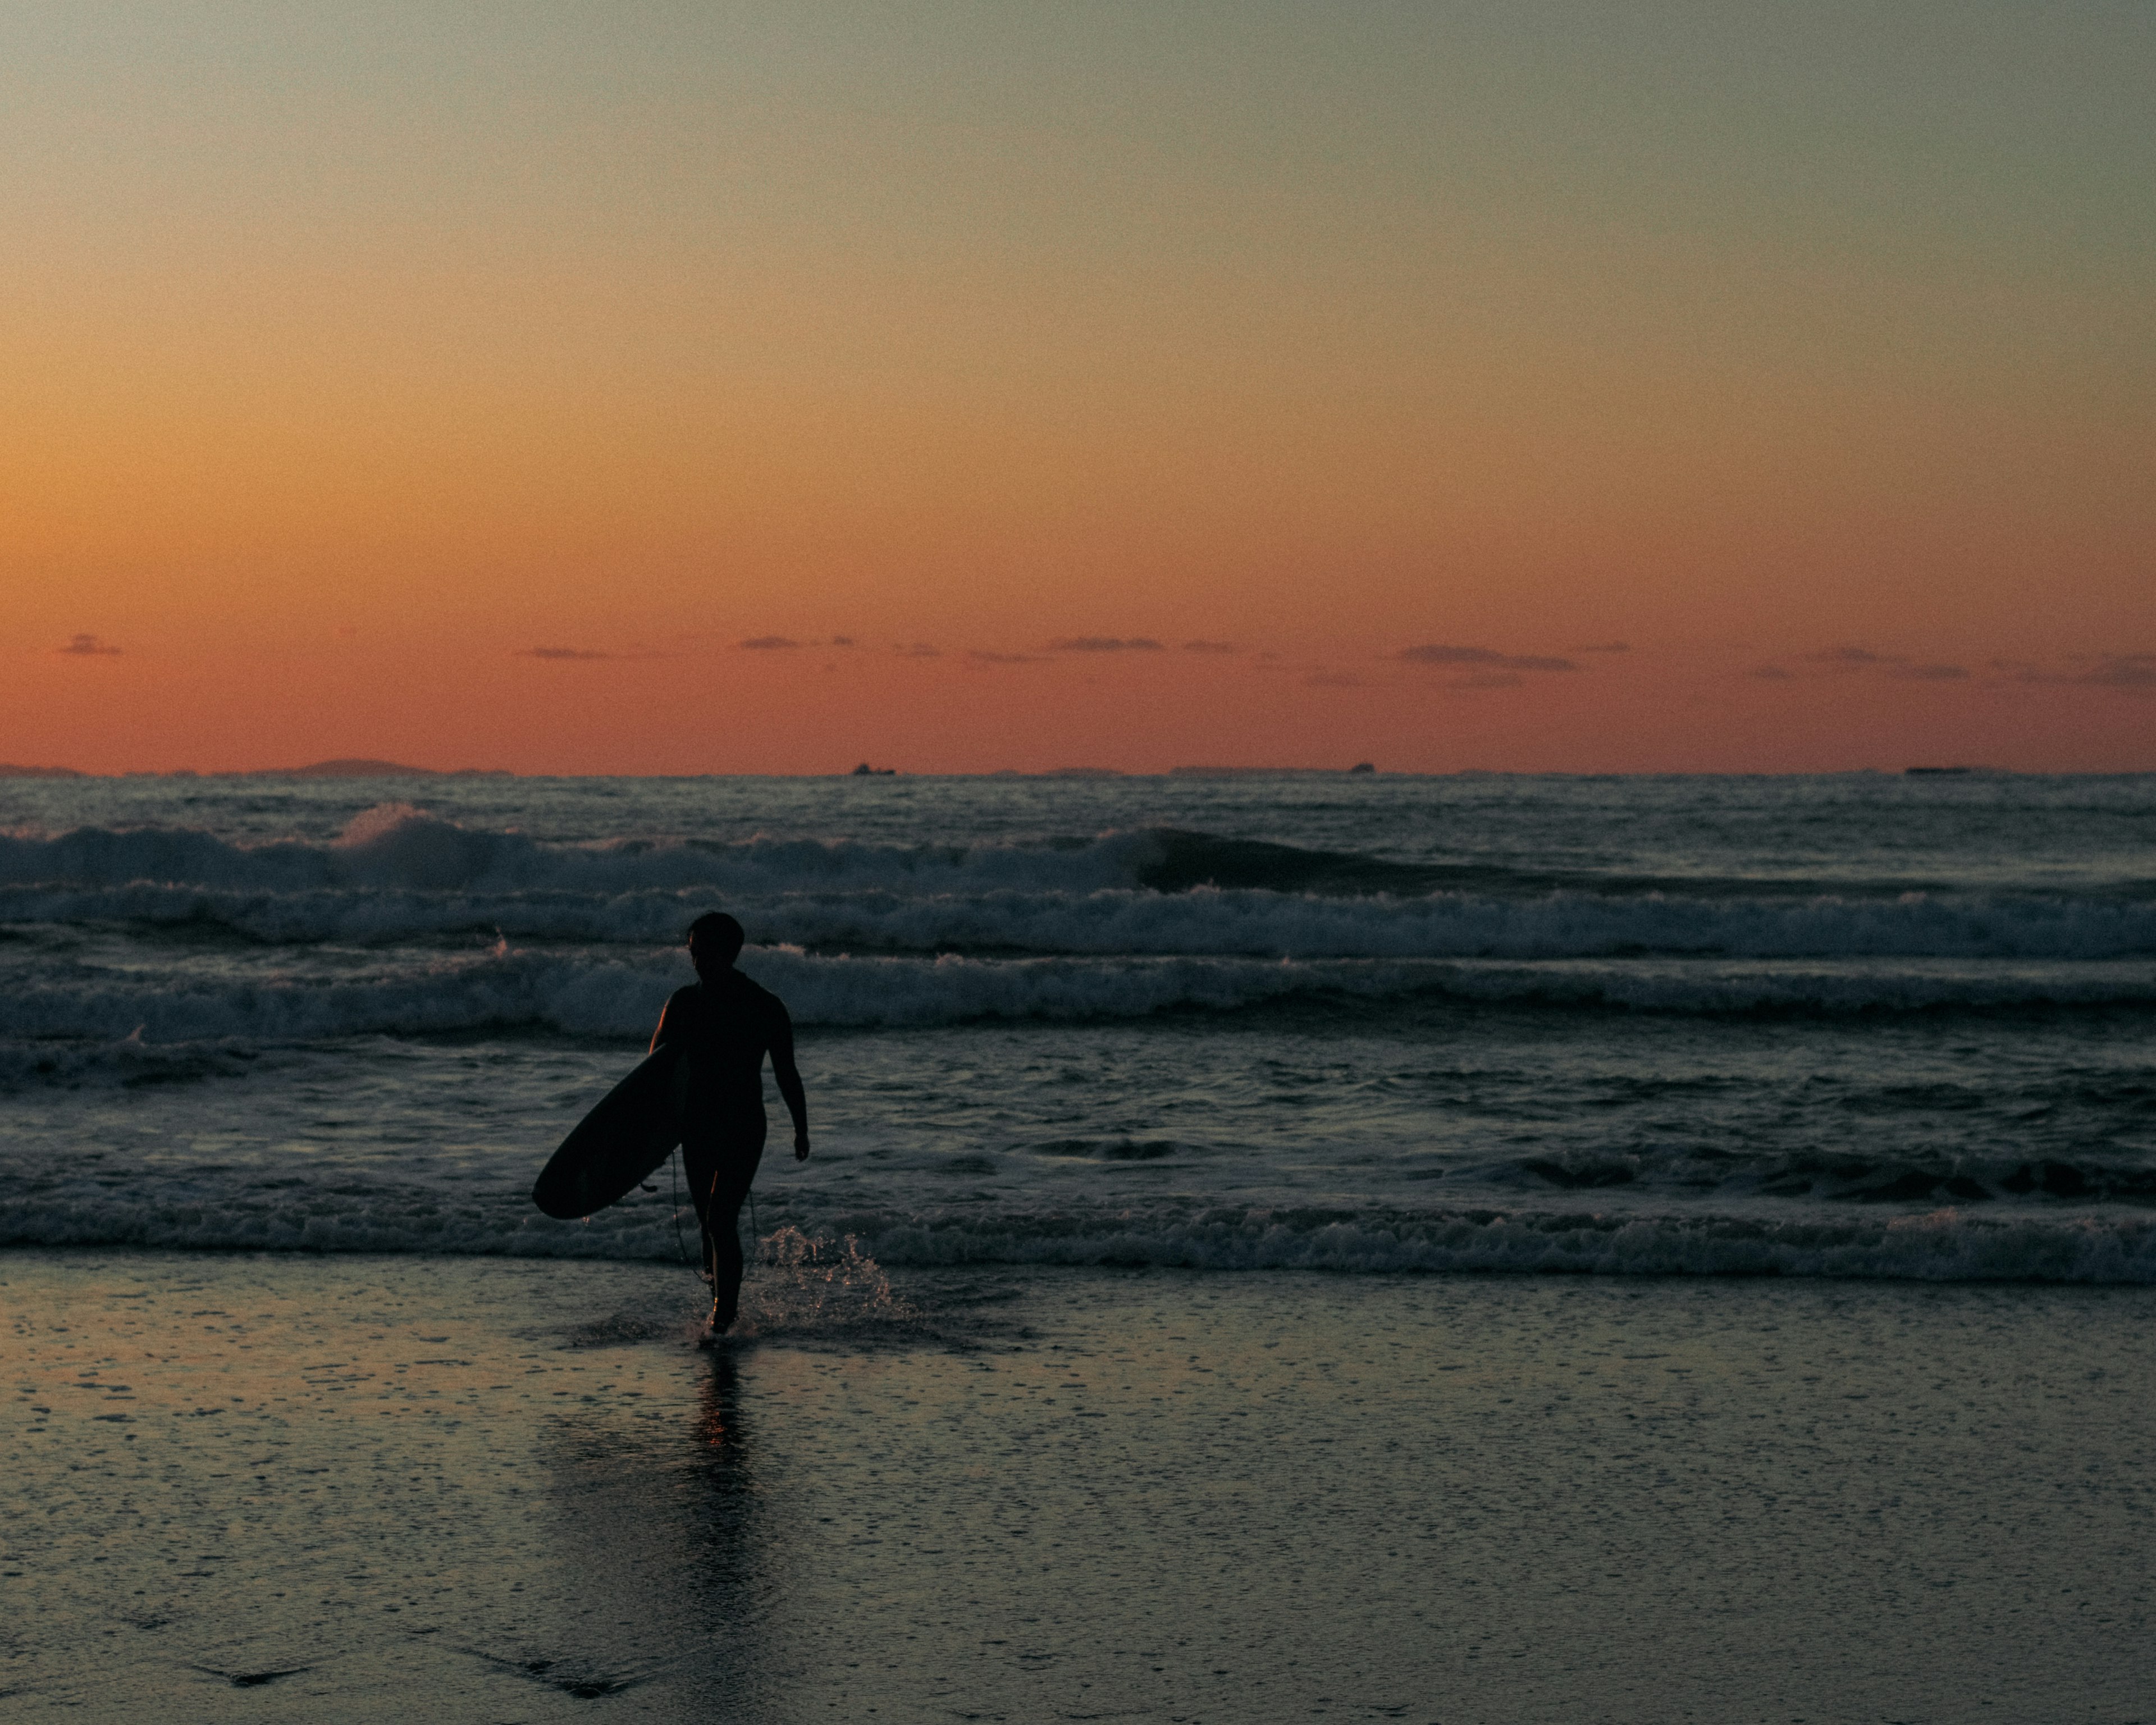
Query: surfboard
[{"x": 631, "y": 1131}]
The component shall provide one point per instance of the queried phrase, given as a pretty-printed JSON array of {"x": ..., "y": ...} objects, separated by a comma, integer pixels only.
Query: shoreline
[{"x": 1957, "y": 1245}]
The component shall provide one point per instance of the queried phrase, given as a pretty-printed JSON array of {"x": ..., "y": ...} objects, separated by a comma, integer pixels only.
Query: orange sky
[{"x": 348, "y": 361}]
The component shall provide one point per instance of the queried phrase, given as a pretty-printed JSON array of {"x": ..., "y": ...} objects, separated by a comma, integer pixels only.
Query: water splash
[{"x": 813, "y": 1282}]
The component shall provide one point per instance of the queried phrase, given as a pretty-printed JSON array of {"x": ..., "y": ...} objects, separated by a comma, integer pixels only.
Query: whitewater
[{"x": 1863, "y": 1025}]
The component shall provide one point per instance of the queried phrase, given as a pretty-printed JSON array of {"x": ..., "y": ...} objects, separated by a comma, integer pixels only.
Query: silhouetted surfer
[{"x": 726, "y": 1025}]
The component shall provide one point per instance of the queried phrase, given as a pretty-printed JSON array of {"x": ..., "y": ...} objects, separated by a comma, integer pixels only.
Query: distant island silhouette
[
  {"x": 1265, "y": 772},
  {"x": 353, "y": 767},
  {"x": 362, "y": 768}
]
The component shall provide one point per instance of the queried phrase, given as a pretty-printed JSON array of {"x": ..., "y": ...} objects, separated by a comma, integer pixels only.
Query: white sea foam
[
  {"x": 1940, "y": 1245},
  {"x": 396, "y": 846},
  {"x": 1129, "y": 920},
  {"x": 1943, "y": 1245},
  {"x": 620, "y": 998}
]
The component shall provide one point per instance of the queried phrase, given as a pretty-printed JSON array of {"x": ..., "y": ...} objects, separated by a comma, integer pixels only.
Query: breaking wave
[
  {"x": 325, "y": 1215},
  {"x": 618, "y": 998},
  {"x": 399, "y": 875},
  {"x": 398, "y": 847}
]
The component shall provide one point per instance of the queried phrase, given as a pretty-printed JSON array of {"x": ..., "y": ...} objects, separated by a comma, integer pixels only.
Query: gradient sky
[{"x": 464, "y": 384}]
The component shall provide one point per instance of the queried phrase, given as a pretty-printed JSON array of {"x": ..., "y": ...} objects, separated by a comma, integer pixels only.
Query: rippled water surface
[{"x": 1860, "y": 1024}]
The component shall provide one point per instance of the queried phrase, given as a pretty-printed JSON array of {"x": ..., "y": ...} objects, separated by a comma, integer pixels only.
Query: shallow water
[{"x": 1857, "y": 1025}]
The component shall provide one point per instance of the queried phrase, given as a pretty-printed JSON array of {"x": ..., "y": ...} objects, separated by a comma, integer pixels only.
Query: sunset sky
[{"x": 654, "y": 387}]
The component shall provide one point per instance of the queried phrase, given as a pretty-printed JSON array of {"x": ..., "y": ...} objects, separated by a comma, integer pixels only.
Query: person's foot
[{"x": 714, "y": 1326}]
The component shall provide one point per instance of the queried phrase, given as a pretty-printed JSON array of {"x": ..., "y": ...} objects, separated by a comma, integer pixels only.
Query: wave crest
[
  {"x": 618, "y": 998},
  {"x": 346, "y": 1215},
  {"x": 399, "y": 873}
]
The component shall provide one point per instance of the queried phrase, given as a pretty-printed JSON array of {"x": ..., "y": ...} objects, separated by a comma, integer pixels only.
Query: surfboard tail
[{"x": 634, "y": 1128}]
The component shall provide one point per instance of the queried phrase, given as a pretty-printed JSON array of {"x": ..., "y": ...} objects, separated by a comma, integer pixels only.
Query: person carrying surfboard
[{"x": 725, "y": 1024}]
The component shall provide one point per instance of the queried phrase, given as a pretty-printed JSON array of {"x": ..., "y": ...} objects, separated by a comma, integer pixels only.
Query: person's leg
[
  {"x": 721, "y": 1173},
  {"x": 740, "y": 1150},
  {"x": 702, "y": 1154}
]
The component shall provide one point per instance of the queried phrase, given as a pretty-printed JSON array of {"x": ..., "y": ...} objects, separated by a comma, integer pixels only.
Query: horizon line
[{"x": 344, "y": 770}]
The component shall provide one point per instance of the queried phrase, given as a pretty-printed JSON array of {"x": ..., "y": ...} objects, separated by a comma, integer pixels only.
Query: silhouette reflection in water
[{"x": 662, "y": 1588}]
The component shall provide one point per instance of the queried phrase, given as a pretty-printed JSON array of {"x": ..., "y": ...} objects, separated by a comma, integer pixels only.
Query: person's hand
[{"x": 801, "y": 1147}]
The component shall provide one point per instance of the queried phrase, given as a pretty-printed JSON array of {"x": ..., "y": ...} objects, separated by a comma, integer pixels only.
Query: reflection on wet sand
[
  {"x": 664, "y": 1581},
  {"x": 348, "y": 1491}
]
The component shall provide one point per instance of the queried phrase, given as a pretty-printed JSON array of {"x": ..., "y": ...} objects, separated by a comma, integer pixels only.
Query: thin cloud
[
  {"x": 981, "y": 656},
  {"x": 1863, "y": 659},
  {"x": 2124, "y": 670},
  {"x": 842, "y": 641},
  {"x": 87, "y": 647},
  {"x": 1105, "y": 643},
  {"x": 1930, "y": 673},
  {"x": 1768, "y": 674},
  {"x": 1894, "y": 665},
  {"x": 559, "y": 653},
  {"x": 1438, "y": 655},
  {"x": 1210, "y": 647},
  {"x": 918, "y": 649},
  {"x": 1606, "y": 647},
  {"x": 2130, "y": 671},
  {"x": 1486, "y": 680},
  {"x": 768, "y": 644}
]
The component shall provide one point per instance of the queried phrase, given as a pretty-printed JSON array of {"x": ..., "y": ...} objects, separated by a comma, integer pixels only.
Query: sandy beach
[{"x": 345, "y": 1488}]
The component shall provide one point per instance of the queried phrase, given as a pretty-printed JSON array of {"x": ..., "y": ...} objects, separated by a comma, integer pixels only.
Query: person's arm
[
  {"x": 789, "y": 1082},
  {"x": 664, "y": 1033}
]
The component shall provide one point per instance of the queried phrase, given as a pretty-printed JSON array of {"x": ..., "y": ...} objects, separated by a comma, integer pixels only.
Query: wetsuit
[{"x": 725, "y": 1026}]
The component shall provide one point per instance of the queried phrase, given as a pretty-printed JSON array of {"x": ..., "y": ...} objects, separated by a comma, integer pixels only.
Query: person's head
[{"x": 715, "y": 941}]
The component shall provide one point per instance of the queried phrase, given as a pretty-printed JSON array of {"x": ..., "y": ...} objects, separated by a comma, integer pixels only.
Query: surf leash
[{"x": 674, "y": 1186}]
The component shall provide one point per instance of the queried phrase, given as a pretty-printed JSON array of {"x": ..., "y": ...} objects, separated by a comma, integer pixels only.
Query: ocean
[{"x": 1858, "y": 1025}]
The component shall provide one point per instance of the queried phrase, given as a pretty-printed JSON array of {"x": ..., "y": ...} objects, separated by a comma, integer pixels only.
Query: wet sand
[{"x": 345, "y": 1488}]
